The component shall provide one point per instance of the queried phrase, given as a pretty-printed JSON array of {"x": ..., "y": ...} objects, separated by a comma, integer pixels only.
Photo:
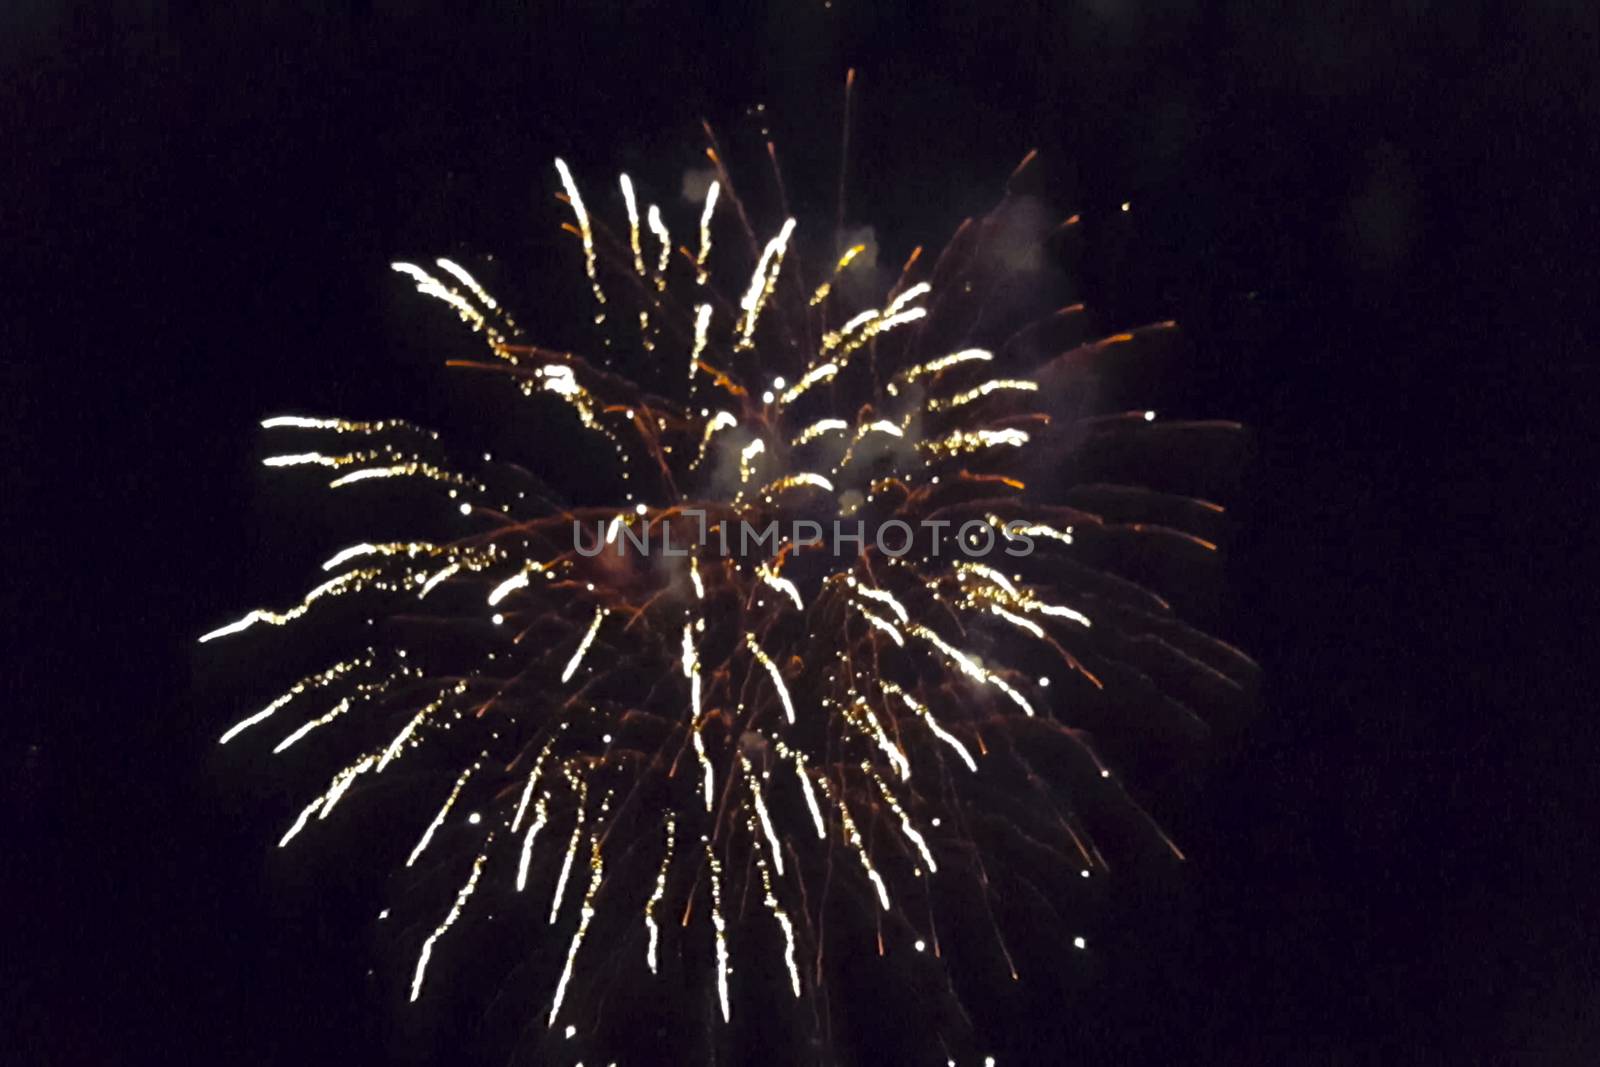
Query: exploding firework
[{"x": 720, "y": 796}]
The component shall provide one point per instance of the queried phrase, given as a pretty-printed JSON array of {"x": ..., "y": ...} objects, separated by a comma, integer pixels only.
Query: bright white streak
[
  {"x": 455, "y": 913},
  {"x": 527, "y": 844},
  {"x": 588, "y": 639},
  {"x": 572, "y": 848},
  {"x": 772, "y": 669},
  {"x": 763, "y": 815},
  {"x": 441, "y": 575},
  {"x": 338, "y": 710},
  {"x": 596, "y": 872},
  {"x": 691, "y": 670},
  {"x": 438, "y": 820}
]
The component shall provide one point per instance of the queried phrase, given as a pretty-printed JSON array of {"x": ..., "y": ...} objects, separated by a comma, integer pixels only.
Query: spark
[
  {"x": 746, "y": 455},
  {"x": 315, "y": 681},
  {"x": 443, "y": 574},
  {"x": 881, "y": 596},
  {"x": 533, "y": 781},
  {"x": 409, "y": 730},
  {"x": 323, "y": 803},
  {"x": 302, "y": 459},
  {"x": 512, "y": 584},
  {"x": 691, "y": 670},
  {"x": 583, "y": 646},
  {"x": 770, "y": 899},
  {"x": 1018, "y": 621},
  {"x": 449, "y": 920},
  {"x": 961, "y": 399},
  {"x": 539, "y": 819},
  {"x": 795, "y": 481},
  {"x": 922, "y": 370},
  {"x": 762, "y": 814},
  {"x": 854, "y": 837},
  {"x": 933, "y": 725},
  {"x": 633, "y": 224},
  {"x": 1034, "y": 529},
  {"x": 656, "y": 895},
  {"x": 971, "y": 669},
  {"x": 586, "y": 234},
  {"x": 912, "y": 833},
  {"x": 337, "y": 710},
  {"x": 844, "y": 261},
  {"x": 781, "y": 584},
  {"x": 762, "y": 283},
  {"x": 460, "y": 274},
  {"x": 332, "y": 587},
  {"x": 596, "y": 873},
  {"x": 972, "y": 440},
  {"x": 721, "y": 928},
  {"x": 572, "y": 850},
  {"x": 885, "y": 625},
  {"x": 408, "y": 548},
  {"x": 659, "y": 228},
  {"x": 705, "y": 233},
  {"x": 702, "y": 324},
  {"x": 723, "y": 421},
  {"x": 874, "y": 730},
  {"x": 400, "y": 470},
  {"x": 772, "y": 669},
  {"x": 818, "y": 428},
  {"x": 826, "y": 372},
  {"x": 438, "y": 820}
]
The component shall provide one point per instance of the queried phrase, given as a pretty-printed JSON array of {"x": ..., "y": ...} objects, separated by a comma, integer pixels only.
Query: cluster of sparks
[{"x": 791, "y": 708}]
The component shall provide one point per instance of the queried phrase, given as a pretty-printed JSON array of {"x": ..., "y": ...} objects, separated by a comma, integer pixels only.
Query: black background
[{"x": 1376, "y": 230}]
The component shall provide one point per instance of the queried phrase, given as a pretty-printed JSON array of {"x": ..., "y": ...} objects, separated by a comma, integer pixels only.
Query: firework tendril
[{"x": 733, "y": 770}]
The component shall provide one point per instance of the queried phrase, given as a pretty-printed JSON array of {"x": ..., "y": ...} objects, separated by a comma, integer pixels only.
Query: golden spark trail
[
  {"x": 656, "y": 895},
  {"x": 315, "y": 681},
  {"x": 772, "y": 669},
  {"x": 449, "y": 920},
  {"x": 799, "y": 761},
  {"x": 332, "y": 587},
  {"x": 935, "y": 366},
  {"x": 539, "y": 819},
  {"x": 337, "y": 710},
  {"x": 659, "y": 228},
  {"x": 762, "y": 813},
  {"x": 820, "y": 427},
  {"x": 771, "y": 901},
  {"x": 584, "y": 231},
  {"x": 854, "y": 837},
  {"x": 705, "y": 233},
  {"x": 572, "y": 849},
  {"x": 691, "y": 670},
  {"x": 721, "y": 929},
  {"x": 533, "y": 781},
  {"x": 912, "y": 833},
  {"x": 961, "y": 399},
  {"x": 409, "y": 730},
  {"x": 596, "y": 873},
  {"x": 588, "y": 639},
  {"x": 633, "y": 224},
  {"x": 762, "y": 283},
  {"x": 329, "y": 798},
  {"x": 438, "y": 820}
]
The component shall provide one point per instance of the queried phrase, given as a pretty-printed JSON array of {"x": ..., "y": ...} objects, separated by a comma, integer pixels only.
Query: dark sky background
[{"x": 1377, "y": 232}]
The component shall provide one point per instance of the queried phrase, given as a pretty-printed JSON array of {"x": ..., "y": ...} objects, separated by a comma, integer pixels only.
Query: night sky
[{"x": 1377, "y": 233}]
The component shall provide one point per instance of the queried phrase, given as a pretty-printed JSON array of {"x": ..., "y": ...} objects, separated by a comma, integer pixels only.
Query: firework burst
[{"x": 691, "y": 776}]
